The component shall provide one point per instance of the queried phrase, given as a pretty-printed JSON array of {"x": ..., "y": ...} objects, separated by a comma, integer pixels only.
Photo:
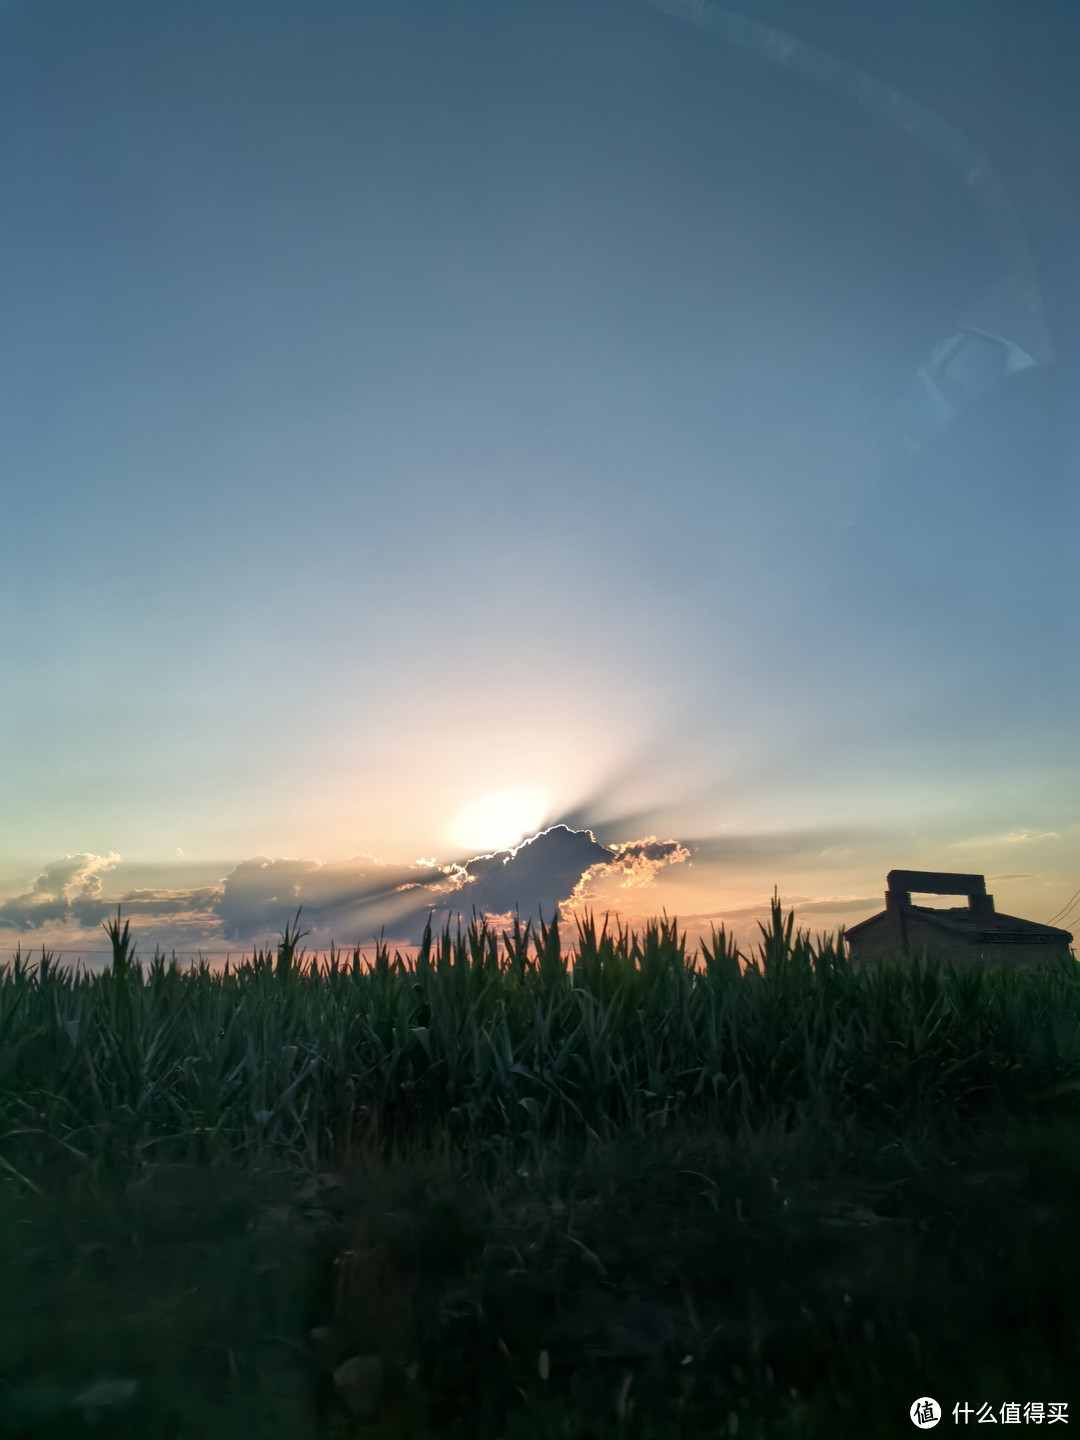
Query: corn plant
[{"x": 509, "y": 1036}]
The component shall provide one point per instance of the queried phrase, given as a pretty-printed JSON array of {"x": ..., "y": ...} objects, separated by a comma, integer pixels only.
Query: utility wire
[{"x": 1066, "y": 907}]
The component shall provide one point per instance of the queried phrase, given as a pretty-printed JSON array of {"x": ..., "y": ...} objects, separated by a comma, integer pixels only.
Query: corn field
[
  {"x": 507, "y": 1190},
  {"x": 502, "y": 1035}
]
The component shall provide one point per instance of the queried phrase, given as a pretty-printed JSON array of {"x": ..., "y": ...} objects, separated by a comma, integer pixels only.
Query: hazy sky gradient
[{"x": 410, "y": 402}]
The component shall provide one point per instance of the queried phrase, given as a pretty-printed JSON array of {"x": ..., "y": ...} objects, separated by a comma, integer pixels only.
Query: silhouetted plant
[
  {"x": 423, "y": 956},
  {"x": 123, "y": 946},
  {"x": 516, "y": 945},
  {"x": 287, "y": 958},
  {"x": 382, "y": 958},
  {"x": 723, "y": 958},
  {"x": 549, "y": 959},
  {"x": 776, "y": 950}
]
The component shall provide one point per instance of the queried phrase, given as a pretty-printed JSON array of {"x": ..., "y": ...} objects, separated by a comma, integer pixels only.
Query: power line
[
  {"x": 1065, "y": 924},
  {"x": 1066, "y": 907}
]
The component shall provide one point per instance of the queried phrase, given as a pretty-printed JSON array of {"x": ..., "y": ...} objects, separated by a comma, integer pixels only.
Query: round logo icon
[{"x": 925, "y": 1413}]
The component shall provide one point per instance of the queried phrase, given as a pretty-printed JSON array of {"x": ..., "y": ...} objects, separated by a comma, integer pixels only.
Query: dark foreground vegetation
[{"x": 488, "y": 1194}]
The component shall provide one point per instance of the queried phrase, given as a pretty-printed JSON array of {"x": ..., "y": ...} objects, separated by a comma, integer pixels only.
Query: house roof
[{"x": 961, "y": 923}]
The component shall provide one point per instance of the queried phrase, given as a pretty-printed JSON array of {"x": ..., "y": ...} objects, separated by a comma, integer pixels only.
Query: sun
[{"x": 499, "y": 820}]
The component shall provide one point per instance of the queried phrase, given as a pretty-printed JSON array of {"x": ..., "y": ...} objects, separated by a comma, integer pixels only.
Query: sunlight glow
[{"x": 498, "y": 821}]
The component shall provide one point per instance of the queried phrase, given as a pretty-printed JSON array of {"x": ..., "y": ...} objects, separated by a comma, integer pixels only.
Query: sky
[{"x": 428, "y": 425}]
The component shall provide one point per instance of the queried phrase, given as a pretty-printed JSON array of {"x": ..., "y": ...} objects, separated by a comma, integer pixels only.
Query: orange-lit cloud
[{"x": 634, "y": 865}]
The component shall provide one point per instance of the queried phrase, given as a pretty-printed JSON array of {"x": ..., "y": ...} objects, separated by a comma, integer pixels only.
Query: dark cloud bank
[{"x": 347, "y": 902}]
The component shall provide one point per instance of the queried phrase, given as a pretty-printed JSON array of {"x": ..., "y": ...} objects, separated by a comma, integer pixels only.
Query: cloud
[
  {"x": 1012, "y": 837},
  {"x": 353, "y": 901},
  {"x": 191, "y": 906},
  {"x": 65, "y": 890},
  {"x": 260, "y": 895},
  {"x": 633, "y": 865},
  {"x": 348, "y": 901},
  {"x": 535, "y": 876},
  {"x": 835, "y": 906}
]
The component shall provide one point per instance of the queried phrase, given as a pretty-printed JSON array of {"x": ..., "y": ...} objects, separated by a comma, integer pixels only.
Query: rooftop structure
[{"x": 971, "y": 934}]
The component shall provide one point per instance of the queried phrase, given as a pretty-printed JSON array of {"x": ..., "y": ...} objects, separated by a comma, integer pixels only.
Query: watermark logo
[
  {"x": 925, "y": 1413},
  {"x": 1012, "y": 1412}
]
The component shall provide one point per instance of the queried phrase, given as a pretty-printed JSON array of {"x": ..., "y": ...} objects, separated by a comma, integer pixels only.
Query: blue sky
[{"x": 428, "y": 422}]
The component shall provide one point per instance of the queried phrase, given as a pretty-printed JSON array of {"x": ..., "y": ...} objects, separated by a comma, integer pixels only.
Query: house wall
[{"x": 881, "y": 940}]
